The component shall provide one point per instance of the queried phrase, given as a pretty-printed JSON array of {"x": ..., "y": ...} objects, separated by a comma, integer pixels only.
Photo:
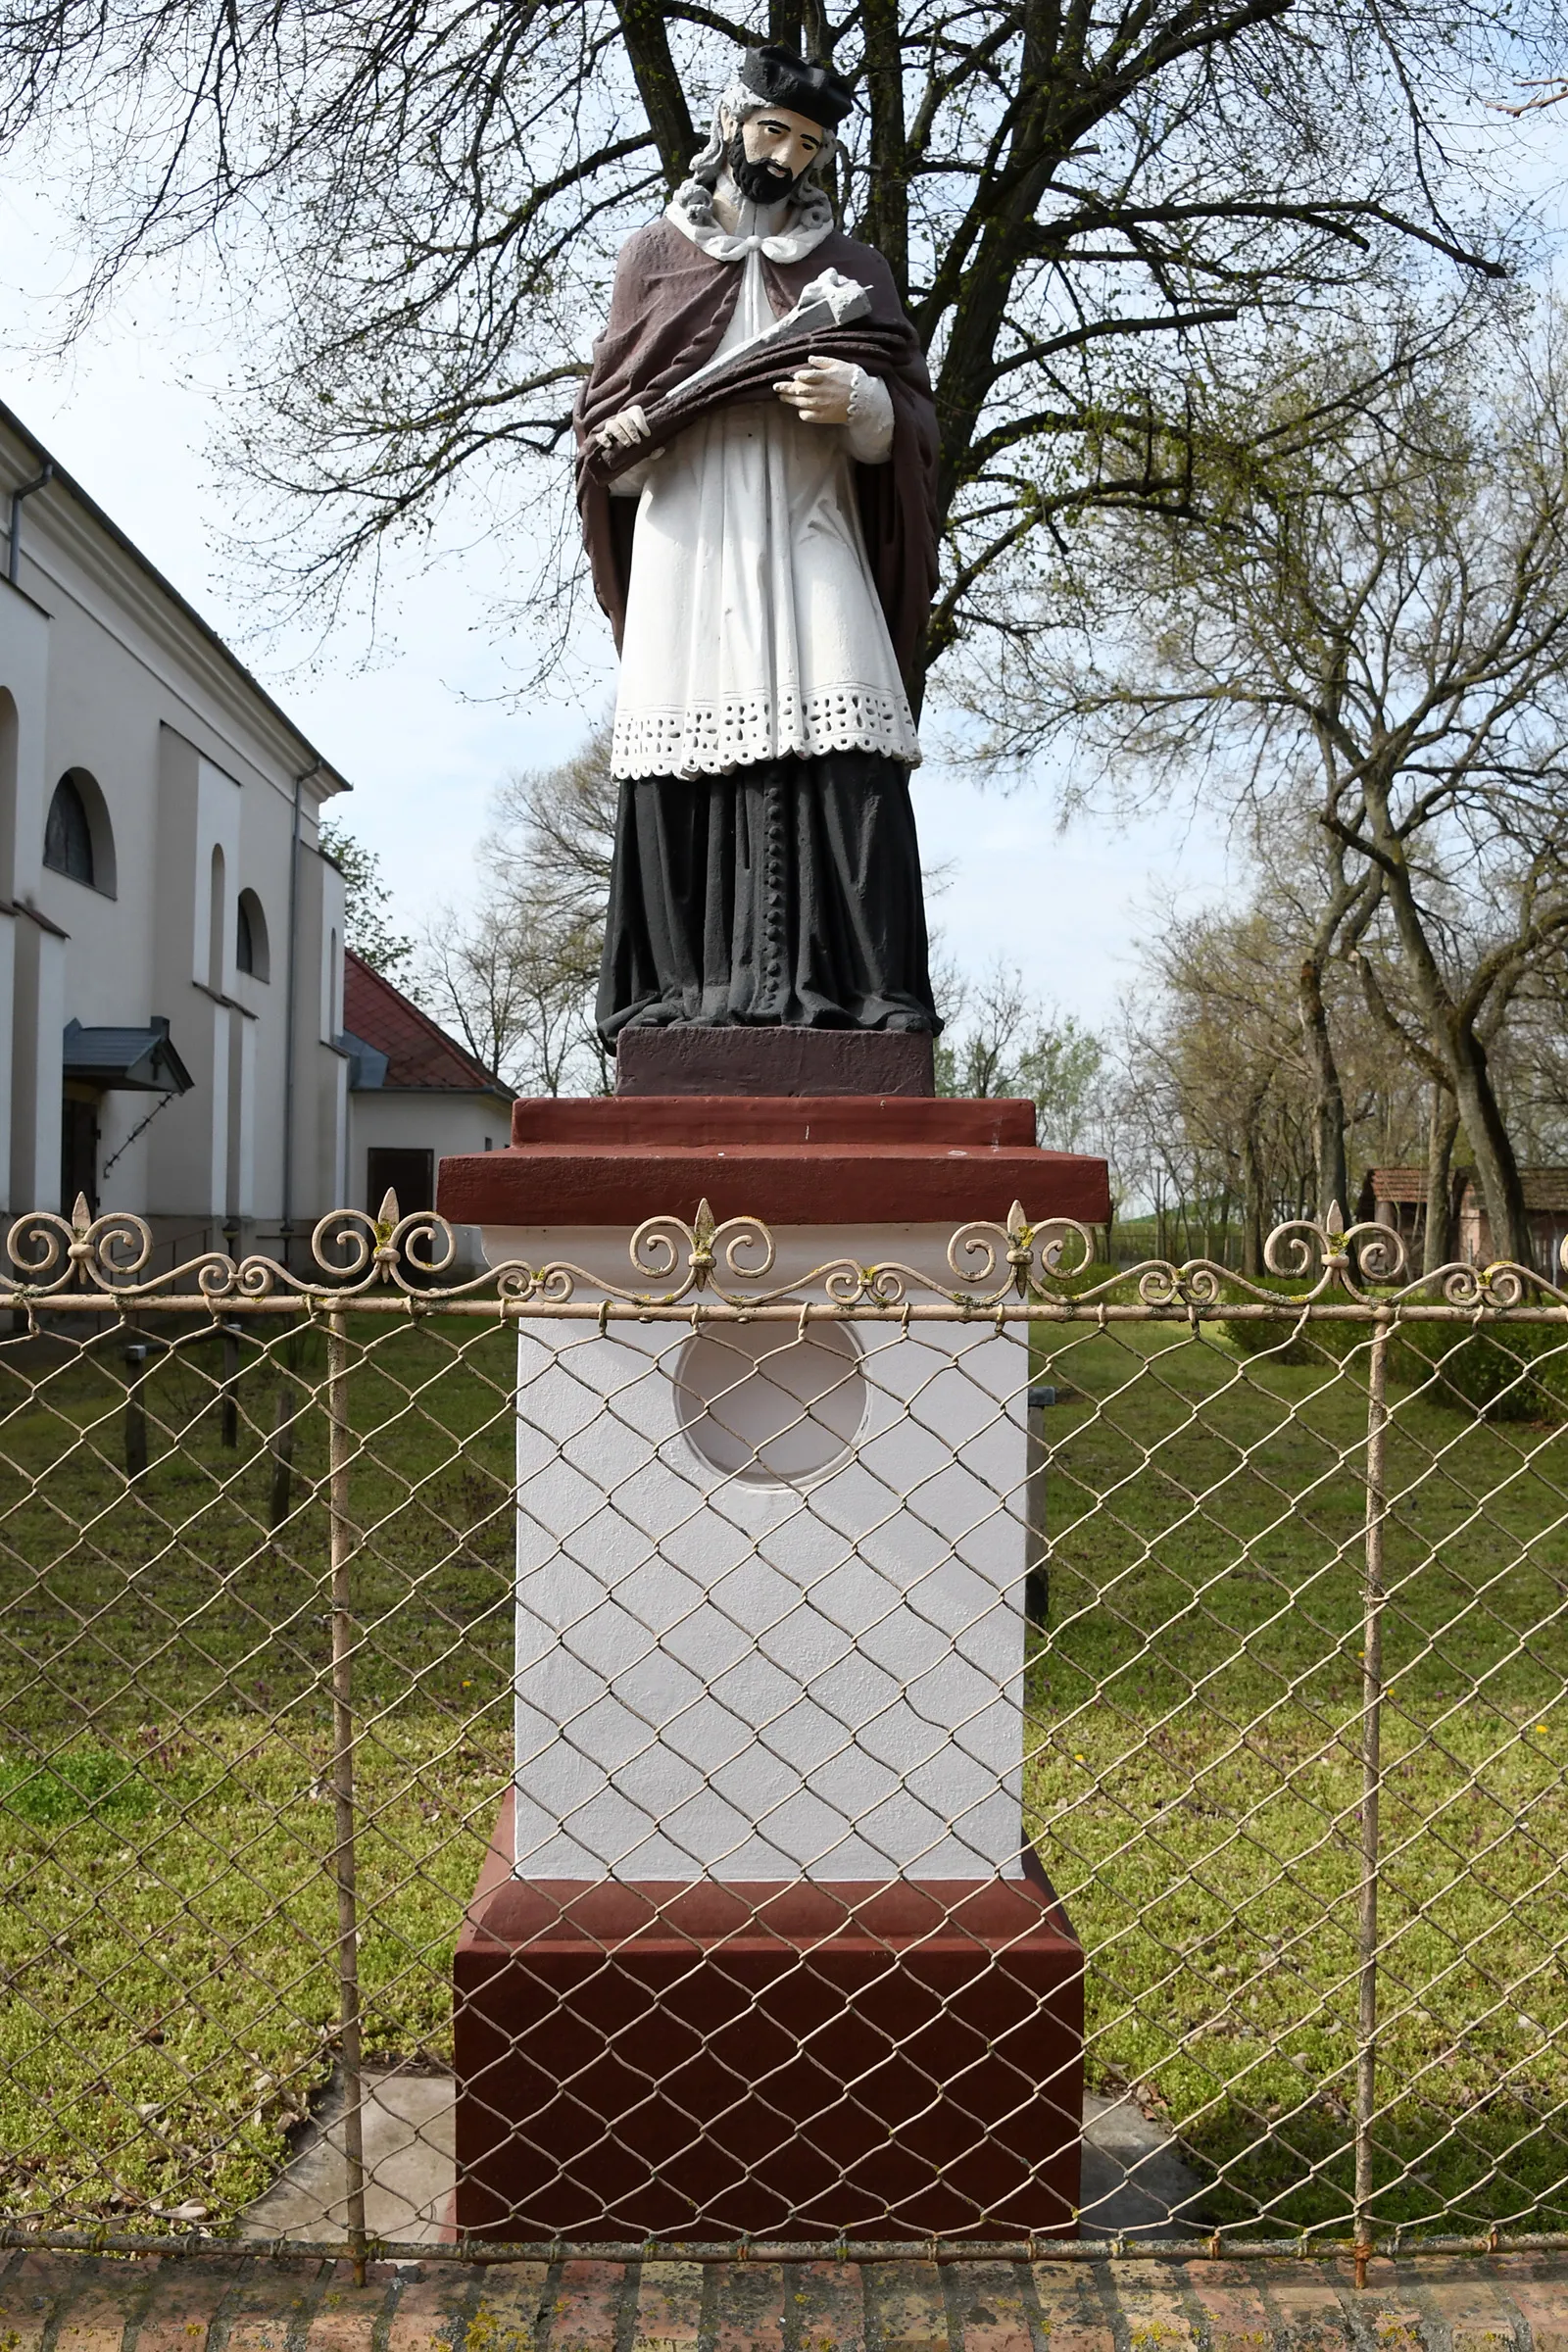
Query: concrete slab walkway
[
  {"x": 232, "y": 2303},
  {"x": 1134, "y": 2182}
]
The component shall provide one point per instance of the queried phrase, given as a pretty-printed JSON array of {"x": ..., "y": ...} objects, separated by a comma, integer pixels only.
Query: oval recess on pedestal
[{"x": 759, "y": 1404}]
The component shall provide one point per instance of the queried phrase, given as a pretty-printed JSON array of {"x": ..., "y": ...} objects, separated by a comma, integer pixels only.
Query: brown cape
[{"x": 668, "y": 315}]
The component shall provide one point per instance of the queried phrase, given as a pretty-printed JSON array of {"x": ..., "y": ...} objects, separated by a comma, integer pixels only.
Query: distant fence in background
[{"x": 1293, "y": 1557}]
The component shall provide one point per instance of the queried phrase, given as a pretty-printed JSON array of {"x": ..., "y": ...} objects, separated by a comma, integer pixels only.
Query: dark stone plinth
[
  {"x": 741, "y": 1060},
  {"x": 785, "y": 2060},
  {"x": 727, "y": 1122}
]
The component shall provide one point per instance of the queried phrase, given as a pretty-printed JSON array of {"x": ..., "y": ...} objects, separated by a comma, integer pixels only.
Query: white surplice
[{"x": 753, "y": 623}]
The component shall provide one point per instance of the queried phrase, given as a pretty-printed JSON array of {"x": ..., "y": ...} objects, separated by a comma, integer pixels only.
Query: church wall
[
  {"x": 107, "y": 673},
  {"x": 320, "y": 1126},
  {"x": 24, "y": 633},
  {"x": 36, "y": 1088}
]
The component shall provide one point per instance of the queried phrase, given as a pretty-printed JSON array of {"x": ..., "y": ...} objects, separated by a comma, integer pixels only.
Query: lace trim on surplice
[{"x": 708, "y": 739}]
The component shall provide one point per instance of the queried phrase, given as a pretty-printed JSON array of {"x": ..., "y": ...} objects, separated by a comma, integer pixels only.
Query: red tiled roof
[
  {"x": 1399, "y": 1183},
  {"x": 1546, "y": 1188},
  {"x": 419, "y": 1053}
]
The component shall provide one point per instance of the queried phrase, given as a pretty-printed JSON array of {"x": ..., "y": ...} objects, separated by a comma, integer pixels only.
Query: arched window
[
  {"x": 68, "y": 836},
  {"x": 78, "y": 839},
  {"x": 251, "y": 952}
]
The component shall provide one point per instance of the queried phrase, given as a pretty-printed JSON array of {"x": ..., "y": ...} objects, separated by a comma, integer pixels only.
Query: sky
[{"x": 427, "y": 727}]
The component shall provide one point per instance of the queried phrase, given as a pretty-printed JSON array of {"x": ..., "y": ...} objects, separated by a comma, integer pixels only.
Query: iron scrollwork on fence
[{"x": 391, "y": 1258}]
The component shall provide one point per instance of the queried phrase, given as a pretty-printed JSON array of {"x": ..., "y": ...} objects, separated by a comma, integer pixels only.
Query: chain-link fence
[{"x": 338, "y": 1615}]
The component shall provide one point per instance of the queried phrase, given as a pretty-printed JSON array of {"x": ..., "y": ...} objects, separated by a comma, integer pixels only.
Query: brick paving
[{"x": 229, "y": 2303}]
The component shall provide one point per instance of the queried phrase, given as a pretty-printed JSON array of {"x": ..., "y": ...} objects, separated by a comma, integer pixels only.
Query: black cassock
[{"x": 784, "y": 892}]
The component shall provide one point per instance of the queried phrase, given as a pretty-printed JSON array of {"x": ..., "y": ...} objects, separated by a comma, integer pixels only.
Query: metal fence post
[
  {"x": 1366, "y": 2042},
  {"x": 343, "y": 1857},
  {"x": 282, "y": 1450},
  {"x": 135, "y": 1410},
  {"x": 1037, "y": 1559},
  {"x": 228, "y": 1416}
]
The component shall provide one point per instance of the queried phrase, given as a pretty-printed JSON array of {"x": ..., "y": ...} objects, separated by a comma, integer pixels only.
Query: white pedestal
[{"x": 769, "y": 1625}]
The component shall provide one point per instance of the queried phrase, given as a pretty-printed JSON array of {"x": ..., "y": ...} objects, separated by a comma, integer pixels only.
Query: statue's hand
[
  {"x": 819, "y": 390},
  {"x": 623, "y": 431}
]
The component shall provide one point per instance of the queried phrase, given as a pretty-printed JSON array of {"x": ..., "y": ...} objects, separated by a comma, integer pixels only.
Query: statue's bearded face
[{"x": 768, "y": 152}]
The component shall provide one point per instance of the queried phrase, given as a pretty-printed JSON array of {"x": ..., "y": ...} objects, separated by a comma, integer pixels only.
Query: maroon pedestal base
[
  {"x": 792, "y": 1160},
  {"x": 796, "y": 2061}
]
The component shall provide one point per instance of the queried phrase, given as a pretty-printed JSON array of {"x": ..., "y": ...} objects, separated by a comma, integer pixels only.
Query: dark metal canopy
[
  {"x": 368, "y": 1065},
  {"x": 140, "y": 1061}
]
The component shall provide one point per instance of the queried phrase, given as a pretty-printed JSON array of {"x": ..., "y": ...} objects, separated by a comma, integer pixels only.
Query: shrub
[
  {"x": 1514, "y": 1372},
  {"x": 1284, "y": 1342}
]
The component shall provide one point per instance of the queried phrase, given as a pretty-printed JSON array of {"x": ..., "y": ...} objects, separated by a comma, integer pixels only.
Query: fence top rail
[
  {"x": 391, "y": 1263},
  {"x": 119, "y": 1310}
]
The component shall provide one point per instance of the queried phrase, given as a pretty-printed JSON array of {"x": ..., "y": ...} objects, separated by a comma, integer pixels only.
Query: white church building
[{"x": 171, "y": 952}]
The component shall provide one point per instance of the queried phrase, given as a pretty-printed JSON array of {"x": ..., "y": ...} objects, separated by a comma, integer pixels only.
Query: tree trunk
[
  {"x": 1460, "y": 1048},
  {"x": 1436, "y": 1247},
  {"x": 1496, "y": 1165},
  {"x": 886, "y": 222},
  {"x": 644, "y": 31},
  {"x": 1251, "y": 1206},
  {"x": 1328, "y": 1109}
]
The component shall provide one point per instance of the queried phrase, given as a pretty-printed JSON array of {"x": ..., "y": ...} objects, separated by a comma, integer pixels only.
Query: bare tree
[
  {"x": 516, "y": 973},
  {"x": 1222, "y": 1035},
  {"x": 1002, "y": 1039},
  {"x": 1222, "y": 1074},
  {"x": 1343, "y": 915},
  {"x": 552, "y": 834},
  {"x": 367, "y": 918},
  {"x": 1376, "y": 633},
  {"x": 1322, "y": 902},
  {"x": 1529, "y": 1055},
  {"x": 1490, "y": 946},
  {"x": 1087, "y": 209},
  {"x": 520, "y": 993}
]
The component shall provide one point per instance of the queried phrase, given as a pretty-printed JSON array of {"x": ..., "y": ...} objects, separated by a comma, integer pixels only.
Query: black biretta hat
[{"x": 786, "y": 80}]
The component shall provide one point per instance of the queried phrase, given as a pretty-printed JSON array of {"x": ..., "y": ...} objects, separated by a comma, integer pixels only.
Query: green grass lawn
[
  {"x": 168, "y": 1965},
  {"x": 169, "y": 1915},
  {"x": 1196, "y": 1786}
]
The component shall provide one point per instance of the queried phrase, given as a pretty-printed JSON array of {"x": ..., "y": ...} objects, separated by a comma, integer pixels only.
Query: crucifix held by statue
[{"x": 756, "y": 455}]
